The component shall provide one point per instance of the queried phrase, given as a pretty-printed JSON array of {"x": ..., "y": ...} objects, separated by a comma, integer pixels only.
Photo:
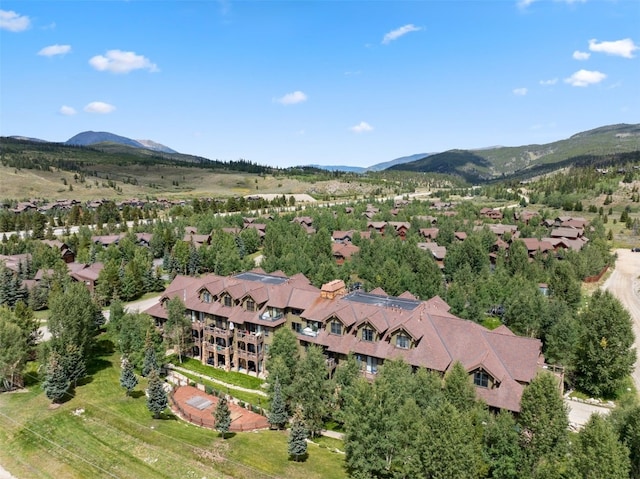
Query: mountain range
[
  {"x": 598, "y": 146},
  {"x": 88, "y": 138}
]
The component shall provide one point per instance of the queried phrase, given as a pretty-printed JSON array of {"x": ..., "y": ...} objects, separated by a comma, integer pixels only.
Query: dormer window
[
  {"x": 251, "y": 305},
  {"x": 367, "y": 334},
  {"x": 481, "y": 379},
  {"x": 206, "y": 297},
  {"x": 336, "y": 327},
  {"x": 402, "y": 341},
  {"x": 227, "y": 300}
]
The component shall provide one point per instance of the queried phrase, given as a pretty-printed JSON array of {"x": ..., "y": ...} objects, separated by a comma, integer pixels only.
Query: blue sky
[{"x": 328, "y": 82}]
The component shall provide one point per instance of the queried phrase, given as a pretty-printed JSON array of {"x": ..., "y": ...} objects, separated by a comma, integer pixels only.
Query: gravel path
[{"x": 623, "y": 284}]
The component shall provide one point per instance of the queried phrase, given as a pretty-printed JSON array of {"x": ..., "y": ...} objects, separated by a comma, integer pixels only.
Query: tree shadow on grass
[
  {"x": 103, "y": 347},
  {"x": 136, "y": 394},
  {"x": 97, "y": 364}
]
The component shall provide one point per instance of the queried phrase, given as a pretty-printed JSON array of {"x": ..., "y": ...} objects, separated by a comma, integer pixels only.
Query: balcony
[
  {"x": 218, "y": 332},
  {"x": 197, "y": 326},
  {"x": 250, "y": 355},
  {"x": 249, "y": 337},
  {"x": 210, "y": 347}
]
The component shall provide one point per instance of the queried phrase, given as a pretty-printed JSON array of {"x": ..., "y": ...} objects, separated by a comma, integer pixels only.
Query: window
[
  {"x": 227, "y": 300},
  {"x": 402, "y": 341},
  {"x": 206, "y": 297},
  {"x": 367, "y": 334},
  {"x": 251, "y": 305},
  {"x": 297, "y": 327},
  {"x": 336, "y": 327},
  {"x": 480, "y": 378}
]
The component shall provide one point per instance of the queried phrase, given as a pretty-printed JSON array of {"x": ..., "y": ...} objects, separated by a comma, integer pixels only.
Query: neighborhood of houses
[{"x": 234, "y": 318}]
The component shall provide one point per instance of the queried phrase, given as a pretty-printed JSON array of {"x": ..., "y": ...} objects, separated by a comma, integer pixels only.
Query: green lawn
[
  {"x": 231, "y": 377},
  {"x": 255, "y": 399},
  {"x": 115, "y": 436}
]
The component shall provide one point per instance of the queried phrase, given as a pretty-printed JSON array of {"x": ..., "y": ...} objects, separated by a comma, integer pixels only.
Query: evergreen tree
[
  {"x": 605, "y": 353},
  {"x": 150, "y": 361},
  {"x": 156, "y": 395},
  {"x": 74, "y": 364},
  {"x": 598, "y": 453},
  {"x": 56, "y": 384},
  {"x": 297, "y": 442},
  {"x": 222, "y": 416},
  {"x": 128, "y": 379},
  {"x": 278, "y": 414}
]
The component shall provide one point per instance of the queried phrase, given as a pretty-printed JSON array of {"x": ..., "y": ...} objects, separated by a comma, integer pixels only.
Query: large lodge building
[{"x": 234, "y": 319}]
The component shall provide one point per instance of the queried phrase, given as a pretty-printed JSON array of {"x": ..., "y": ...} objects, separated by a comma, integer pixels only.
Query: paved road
[{"x": 624, "y": 283}]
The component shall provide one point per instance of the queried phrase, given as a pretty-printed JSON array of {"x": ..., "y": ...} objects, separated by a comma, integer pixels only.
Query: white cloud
[
  {"x": 99, "y": 107},
  {"x": 68, "y": 110},
  {"x": 10, "y": 20},
  {"x": 117, "y": 61},
  {"x": 397, "y": 33},
  {"x": 520, "y": 91},
  {"x": 526, "y": 3},
  {"x": 361, "y": 127},
  {"x": 549, "y": 82},
  {"x": 578, "y": 55},
  {"x": 585, "y": 78},
  {"x": 53, "y": 50},
  {"x": 292, "y": 98},
  {"x": 620, "y": 48}
]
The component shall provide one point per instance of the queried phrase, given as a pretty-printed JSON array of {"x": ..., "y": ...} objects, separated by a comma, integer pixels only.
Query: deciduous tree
[
  {"x": 605, "y": 353},
  {"x": 598, "y": 453}
]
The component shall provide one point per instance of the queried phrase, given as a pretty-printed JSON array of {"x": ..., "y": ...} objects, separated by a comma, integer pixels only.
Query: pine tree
[
  {"x": 150, "y": 361},
  {"x": 156, "y": 395},
  {"x": 56, "y": 382},
  {"x": 128, "y": 379},
  {"x": 278, "y": 415},
  {"x": 74, "y": 364},
  {"x": 297, "y": 443},
  {"x": 222, "y": 416}
]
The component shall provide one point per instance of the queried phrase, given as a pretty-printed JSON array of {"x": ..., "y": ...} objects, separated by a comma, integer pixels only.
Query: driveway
[{"x": 623, "y": 284}]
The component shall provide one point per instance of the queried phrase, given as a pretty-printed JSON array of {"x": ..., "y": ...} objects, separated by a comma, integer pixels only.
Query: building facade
[{"x": 234, "y": 318}]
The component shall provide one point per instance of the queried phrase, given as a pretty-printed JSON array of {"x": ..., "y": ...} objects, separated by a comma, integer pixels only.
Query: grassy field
[
  {"x": 231, "y": 377},
  {"x": 101, "y": 433}
]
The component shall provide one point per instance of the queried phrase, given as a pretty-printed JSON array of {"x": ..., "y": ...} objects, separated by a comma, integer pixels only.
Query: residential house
[
  {"x": 438, "y": 252},
  {"x": 66, "y": 254},
  {"x": 343, "y": 251},
  {"x": 86, "y": 274}
]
